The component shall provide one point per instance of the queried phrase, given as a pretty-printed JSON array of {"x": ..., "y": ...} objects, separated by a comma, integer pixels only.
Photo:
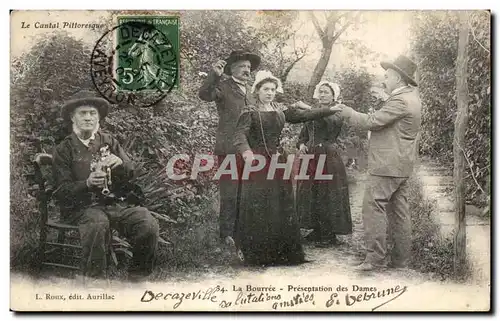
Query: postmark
[{"x": 137, "y": 61}]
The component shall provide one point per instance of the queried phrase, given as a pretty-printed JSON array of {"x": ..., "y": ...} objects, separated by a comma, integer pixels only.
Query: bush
[
  {"x": 24, "y": 220},
  {"x": 434, "y": 46},
  {"x": 431, "y": 253},
  {"x": 150, "y": 136}
]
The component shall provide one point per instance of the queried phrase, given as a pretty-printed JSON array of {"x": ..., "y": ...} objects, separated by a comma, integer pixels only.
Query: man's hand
[
  {"x": 300, "y": 104},
  {"x": 338, "y": 107},
  {"x": 112, "y": 161},
  {"x": 96, "y": 179},
  {"x": 218, "y": 67},
  {"x": 302, "y": 149},
  {"x": 248, "y": 156}
]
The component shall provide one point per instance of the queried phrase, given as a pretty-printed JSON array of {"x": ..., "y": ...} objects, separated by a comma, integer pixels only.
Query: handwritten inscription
[
  {"x": 278, "y": 298},
  {"x": 296, "y": 300},
  {"x": 243, "y": 298},
  {"x": 368, "y": 294},
  {"x": 206, "y": 295}
]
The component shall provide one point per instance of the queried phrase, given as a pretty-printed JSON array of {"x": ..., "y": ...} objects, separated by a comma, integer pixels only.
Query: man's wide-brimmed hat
[
  {"x": 404, "y": 66},
  {"x": 239, "y": 55},
  {"x": 84, "y": 98}
]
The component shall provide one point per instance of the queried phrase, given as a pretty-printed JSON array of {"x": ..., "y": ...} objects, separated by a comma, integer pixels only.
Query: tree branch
[
  {"x": 471, "y": 169},
  {"x": 303, "y": 48},
  {"x": 478, "y": 171},
  {"x": 315, "y": 22},
  {"x": 474, "y": 35},
  {"x": 337, "y": 19},
  {"x": 284, "y": 75},
  {"x": 346, "y": 25}
]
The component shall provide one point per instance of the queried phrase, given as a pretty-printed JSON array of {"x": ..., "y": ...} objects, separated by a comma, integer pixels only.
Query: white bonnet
[
  {"x": 335, "y": 87},
  {"x": 265, "y": 74}
]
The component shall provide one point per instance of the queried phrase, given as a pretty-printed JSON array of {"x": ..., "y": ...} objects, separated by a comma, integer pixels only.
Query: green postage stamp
[
  {"x": 137, "y": 61},
  {"x": 148, "y": 59}
]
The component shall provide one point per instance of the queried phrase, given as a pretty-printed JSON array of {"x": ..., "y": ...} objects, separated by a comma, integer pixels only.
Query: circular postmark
[{"x": 134, "y": 63}]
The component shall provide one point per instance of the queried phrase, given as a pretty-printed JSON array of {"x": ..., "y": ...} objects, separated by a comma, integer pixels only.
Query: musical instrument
[{"x": 98, "y": 163}]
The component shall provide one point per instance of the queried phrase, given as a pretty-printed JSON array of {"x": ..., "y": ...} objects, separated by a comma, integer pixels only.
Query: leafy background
[{"x": 56, "y": 66}]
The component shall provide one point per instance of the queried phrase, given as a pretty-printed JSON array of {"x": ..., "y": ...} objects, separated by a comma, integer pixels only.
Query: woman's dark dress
[
  {"x": 324, "y": 205},
  {"x": 267, "y": 229}
]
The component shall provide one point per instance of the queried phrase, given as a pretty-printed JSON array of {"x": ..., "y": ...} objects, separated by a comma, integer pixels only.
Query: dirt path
[{"x": 330, "y": 267}]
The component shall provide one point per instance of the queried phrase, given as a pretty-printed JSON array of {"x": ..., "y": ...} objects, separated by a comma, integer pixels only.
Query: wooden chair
[{"x": 65, "y": 251}]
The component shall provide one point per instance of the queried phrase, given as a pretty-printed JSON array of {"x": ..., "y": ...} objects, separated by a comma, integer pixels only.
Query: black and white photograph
[{"x": 258, "y": 160}]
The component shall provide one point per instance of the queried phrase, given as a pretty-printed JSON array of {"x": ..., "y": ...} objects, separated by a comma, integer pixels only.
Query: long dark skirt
[
  {"x": 324, "y": 205},
  {"x": 267, "y": 229}
]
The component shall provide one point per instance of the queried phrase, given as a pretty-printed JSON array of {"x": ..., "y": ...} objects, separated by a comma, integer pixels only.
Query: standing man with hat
[
  {"x": 230, "y": 96},
  {"x": 391, "y": 157},
  {"x": 79, "y": 190}
]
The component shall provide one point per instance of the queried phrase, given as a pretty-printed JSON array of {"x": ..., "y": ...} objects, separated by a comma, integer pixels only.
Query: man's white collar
[
  {"x": 395, "y": 91},
  {"x": 85, "y": 142},
  {"x": 239, "y": 82}
]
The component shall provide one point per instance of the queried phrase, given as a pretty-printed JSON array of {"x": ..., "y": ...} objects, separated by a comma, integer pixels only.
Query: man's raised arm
[{"x": 210, "y": 90}]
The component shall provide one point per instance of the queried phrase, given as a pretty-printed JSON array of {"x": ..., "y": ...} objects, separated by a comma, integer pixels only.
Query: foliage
[
  {"x": 435, "y": 41},
  {"x": 41, "y": 79},
  {"x": 283, "y": 47},
  {"x": 149, "y": 136},
  {"x": 23, "y": 216},
  {"x": 336, "y": 23},
  {"x": 57, "y": 66},
  {"x": 355, "y": 87},
  {"x": 431, "y": 253},
  {"x": 204, "y": 44},
  {"x": 152, "y": 139}
]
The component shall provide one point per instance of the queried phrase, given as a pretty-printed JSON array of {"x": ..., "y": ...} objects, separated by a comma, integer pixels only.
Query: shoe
[
  {"x": 241, "y": 256},
  {"x": 305, "y": 232},
  {"x": 94, "y": 283},
  {"x": 356, "y": 262},
  {"x": 367, "y": 266},
  {"x": 324, "y": 244},
  {"x": 229, "y": 241},
  {"x": 398, "y": 266},
  {"x": 327, "y": 243},
  {"x": 137, "y": 278}
]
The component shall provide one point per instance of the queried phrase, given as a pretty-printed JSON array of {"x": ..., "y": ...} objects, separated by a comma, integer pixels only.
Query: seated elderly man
[{"x": 92, "y": 174}]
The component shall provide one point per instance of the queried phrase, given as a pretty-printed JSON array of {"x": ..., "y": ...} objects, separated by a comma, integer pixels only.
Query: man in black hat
[
  {"x": 230, "y": 96},
  {"x": 391, "y": 157},
  {"x": 80, "y": 189}
]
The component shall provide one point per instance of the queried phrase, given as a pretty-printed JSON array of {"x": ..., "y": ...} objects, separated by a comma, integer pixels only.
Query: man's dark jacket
[
  {"x": 230, "y": 100},
  {"x": 71, "y": 168}
]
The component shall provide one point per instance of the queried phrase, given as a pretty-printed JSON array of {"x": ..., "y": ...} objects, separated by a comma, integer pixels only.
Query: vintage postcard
[{"x": 318, "y": 161}]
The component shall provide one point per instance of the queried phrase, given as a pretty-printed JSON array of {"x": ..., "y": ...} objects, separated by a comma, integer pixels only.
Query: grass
[
  {"x": 196, "y": 247},
  {"x": 431, "y": 253}
]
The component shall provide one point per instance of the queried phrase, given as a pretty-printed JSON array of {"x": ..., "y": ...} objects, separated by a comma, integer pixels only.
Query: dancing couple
[{"x": 260, "y": 217}]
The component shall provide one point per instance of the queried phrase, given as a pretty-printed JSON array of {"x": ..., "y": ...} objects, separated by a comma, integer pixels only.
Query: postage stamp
[{"x": 137, "y": 61}]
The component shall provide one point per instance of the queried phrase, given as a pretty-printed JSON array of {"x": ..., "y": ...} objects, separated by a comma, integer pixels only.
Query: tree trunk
[
  {"x": 284, "y": 75},
  {"x": 320, "y": 68},
  {"x": 459, "y": 260}
]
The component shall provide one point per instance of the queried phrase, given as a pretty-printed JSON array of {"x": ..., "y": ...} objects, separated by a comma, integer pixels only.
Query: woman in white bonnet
[
  {"x": 324, "y": 205},
  {"x": 267, "y": 229}
]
